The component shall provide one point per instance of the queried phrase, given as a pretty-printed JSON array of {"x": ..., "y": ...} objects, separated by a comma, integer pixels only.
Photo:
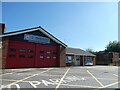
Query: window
[
  {"x": 77, "y": 57},
  {"x": 54, "y": 57},
  {"x": 12, "y": 49},
  {"x": 41, "y": 51},
  {"x": 22, "y": 56},
  {"x": 54, "y": 53},
  {"x": 68, "y": 59},
  {"x": 21, "y": 50},
  {"x": 12, "y": 56},
  {"x": 48, "y": 52},
  {"x": 41, "y": 56},
  {"x": 30, "y": 51},
  {"x": 47, "y": 57},
  {"x": 88, "y": 61},
  {"x": 30, "y": 56}
]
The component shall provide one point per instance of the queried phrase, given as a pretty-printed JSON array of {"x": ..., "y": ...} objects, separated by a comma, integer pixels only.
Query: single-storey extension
[{"x": 79, "y": 57}]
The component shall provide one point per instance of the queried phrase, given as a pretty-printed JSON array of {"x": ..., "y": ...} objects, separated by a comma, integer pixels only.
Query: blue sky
[{"x": 81, "y": 25}]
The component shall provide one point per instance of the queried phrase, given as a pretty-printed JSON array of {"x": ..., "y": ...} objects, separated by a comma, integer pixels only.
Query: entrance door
[{"x": 77, "y": 61}]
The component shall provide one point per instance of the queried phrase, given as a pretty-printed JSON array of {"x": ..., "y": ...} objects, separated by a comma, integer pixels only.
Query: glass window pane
[
  {"x": 68, "y": 59},
  {"x": 41, "y": 56},
  {"x": 21, "y": 50},
  {"x": 41, "y": 51},
  {"x": 47, "y": 57},
  {"x": 22, "y": 56},
  {"x": 30, "y": 50},
  {"x": 48, "y": 52},
  {"x": 30, "y": 56},
  {"x": 54, "y": 53},
  {"x": 12, "y": 56},
  {"x": 12, "y": 49},
  {"x": 54, "y": 57}
]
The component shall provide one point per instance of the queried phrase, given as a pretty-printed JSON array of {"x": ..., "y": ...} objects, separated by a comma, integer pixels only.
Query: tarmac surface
[{"x": 97, "y": 77}]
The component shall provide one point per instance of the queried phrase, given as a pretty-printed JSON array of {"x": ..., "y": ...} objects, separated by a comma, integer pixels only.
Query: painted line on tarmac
[
  {"x": 62, "y": 79},
  {"x": 13, "y": 80},
  {"x": 79, "y": 86},
  {"x": 107, "y": 86},
  {"x": 95, "y": 78},
  {"x": 49, "y": 75},
  {"x": 5, "y": 74},
  {"x": 115, "y": 75},
  {"x": 101, "y": 78},
  {"x": 110, "y": 84},
  {"x": 28, "y": 77}
]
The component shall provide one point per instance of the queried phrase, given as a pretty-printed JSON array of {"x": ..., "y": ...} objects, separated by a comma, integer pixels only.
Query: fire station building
[{"x": 33, "y": 47}]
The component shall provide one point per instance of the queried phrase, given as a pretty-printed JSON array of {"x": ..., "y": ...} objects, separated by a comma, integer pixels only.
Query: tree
[
  {"x": 90, "y": 50},
  {"x": 113, "y": 47}
]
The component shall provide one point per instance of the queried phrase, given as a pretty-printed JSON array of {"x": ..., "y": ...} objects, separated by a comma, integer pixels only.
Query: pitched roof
[
  {"x": 34, "y": 29},
  {"x": 77, "y": 51}
]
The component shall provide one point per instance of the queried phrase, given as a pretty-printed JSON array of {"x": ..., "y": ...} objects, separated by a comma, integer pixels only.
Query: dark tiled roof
[
  {"x": 34, "y": 29},
  {"x": 77, "y": 51}
]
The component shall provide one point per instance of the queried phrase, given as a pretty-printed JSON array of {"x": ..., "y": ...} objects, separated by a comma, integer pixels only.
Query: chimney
[{"x": 2, "y": 28}]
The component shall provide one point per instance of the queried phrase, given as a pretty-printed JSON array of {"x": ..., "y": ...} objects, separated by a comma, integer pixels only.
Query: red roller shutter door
[
  {"x": 46, "y": 56},
  {"x": 20, "y": 54}
]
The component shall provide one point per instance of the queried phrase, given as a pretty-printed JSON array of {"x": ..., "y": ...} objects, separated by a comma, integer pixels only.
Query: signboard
[{"x": 36, "y": 39}]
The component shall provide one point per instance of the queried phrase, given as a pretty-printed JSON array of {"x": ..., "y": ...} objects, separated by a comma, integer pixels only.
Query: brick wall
[
  {"x": 94, "y": 60},
  {"x": 115, "y": 57},
  {"x": 62, "y": 55},
  {"x": 4, "y": 51},
  {"x": 106, "y": 58}
]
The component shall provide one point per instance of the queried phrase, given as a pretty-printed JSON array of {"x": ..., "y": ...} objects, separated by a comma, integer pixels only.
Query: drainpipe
[
  {"x": 83, "y": 61},
  {"x": 74, "y": 59}
]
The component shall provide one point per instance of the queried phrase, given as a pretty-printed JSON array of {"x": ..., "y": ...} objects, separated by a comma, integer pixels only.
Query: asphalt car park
[{"x": 96, "y": 77}]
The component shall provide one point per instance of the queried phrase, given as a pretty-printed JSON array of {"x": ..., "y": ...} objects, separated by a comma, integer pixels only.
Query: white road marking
[
  {"x": 115, "y": 75},
  {"x": 47, "y": 82},
  {"x": 29, "y": 77},
  {"x": 108, "y": 85},
  {"x": 62, "y": 79},
  {"x": 12, "y": 80},
  {"x": 17, "y": 86},
  {"x": 51, "y": 81},
  {"x": 5, "y": 74},
  {"x": 72, "y": 85},
  {"x": 95, "y": 78},
  {"x": 35, "y": 83}
]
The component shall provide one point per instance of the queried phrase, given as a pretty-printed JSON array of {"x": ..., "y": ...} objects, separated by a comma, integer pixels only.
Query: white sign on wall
[{"x": 36, "y": 39}]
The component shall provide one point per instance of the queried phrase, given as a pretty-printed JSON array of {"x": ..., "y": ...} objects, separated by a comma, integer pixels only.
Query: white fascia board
[{"x": 17, "y": 33}]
